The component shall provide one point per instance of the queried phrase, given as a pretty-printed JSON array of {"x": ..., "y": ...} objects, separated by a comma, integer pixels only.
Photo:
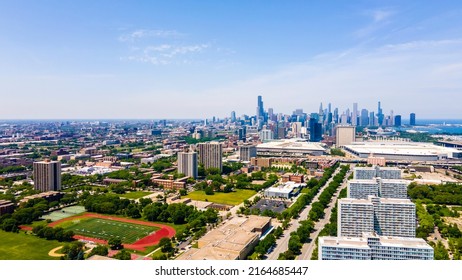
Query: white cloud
[
  {"x": 166, "y": 54},
  {"x": 146, "y": 33},
  {"x": 380, "y": 18}
]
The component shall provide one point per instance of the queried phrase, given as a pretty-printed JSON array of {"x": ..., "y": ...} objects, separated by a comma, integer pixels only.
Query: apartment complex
[
  {"x": 368, "y": 173},
  {"x": 6, "y": 207},
  {"x": 187, "y": 164},
  {"x": 386, "y": 216},
  {"x": 386, "y": 188},
  {"x": 47, "y": 176},
  {"x": 373, "y": 247},
  {"x": 355, "y": 216},
  {"x": 210, "y": 155}
]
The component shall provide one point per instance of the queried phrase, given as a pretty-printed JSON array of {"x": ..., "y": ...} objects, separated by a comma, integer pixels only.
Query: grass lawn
[
  {"x": 20, "y": 246},
  {"x": 105, "y": 229},
  {"x": 232, "y": 198},
  {"x": 134, "y": 195}
]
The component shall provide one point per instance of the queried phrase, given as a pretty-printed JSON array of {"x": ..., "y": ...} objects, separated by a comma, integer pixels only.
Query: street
[{"x": 283, "y": 242}]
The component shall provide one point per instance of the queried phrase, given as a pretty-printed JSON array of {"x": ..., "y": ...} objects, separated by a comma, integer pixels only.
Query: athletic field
[{"x": 105, "y": 229}]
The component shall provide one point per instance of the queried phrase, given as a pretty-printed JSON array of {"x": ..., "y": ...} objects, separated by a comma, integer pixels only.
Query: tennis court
[{"x": 64, "y": 213}]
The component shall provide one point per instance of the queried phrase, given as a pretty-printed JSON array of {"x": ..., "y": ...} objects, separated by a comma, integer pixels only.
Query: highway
[
  {"x": 283, "y": 242},
  {"x": 308, "y": 248}
]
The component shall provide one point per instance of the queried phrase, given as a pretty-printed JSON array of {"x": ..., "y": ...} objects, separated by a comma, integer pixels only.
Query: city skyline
[{"x": 181, "y": 60}]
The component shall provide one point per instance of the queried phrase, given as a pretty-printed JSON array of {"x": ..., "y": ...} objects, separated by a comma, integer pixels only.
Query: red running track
[{"x": 140, "y": 245}]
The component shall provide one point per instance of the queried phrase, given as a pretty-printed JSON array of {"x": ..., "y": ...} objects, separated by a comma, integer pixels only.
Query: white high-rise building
[
  {"x": 386, "y": 216},
  {"x": 369, "y": 173},
  {"x": 355, "y": 216},
  {"x": 386, "y": 188},
  {"x": 393, "y": 188},
  {"x": 373, "y": 247},
  {"x": 187, "y": 164},
  {"x": 47, "y": 175},
  {"x": 362, "y": 189},
  {"x": 394, "y": 217},
  {"x": 210, "y": 155}
]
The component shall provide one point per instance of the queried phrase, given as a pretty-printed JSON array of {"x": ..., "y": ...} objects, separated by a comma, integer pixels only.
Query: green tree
[
  {"x": 123, "y": 255},
  {"x": 115, "y": 243},
  {"x": 99, "y": 250}
]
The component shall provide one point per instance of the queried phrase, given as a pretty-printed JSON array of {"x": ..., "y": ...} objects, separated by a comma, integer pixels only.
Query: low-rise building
[
  {"x": 233, "y": 240},
  {"x": 373, "y": 247},
  {"x": 285, "y": 190},
  {"x": 6, "y": 207}
]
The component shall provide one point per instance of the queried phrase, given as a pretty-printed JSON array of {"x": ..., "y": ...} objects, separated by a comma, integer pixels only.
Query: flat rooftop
[
  {"x": 291, "y": 144},
  {"x": 400, "y": 148},
  {"x": 286, "y": 187},
  {"x": 361, "y": 242}
]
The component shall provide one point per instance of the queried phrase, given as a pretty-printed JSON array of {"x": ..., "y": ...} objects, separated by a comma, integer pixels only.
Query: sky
[{"x": 105, "y": 59}]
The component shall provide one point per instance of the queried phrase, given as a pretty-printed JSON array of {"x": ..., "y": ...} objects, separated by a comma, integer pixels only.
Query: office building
[
  {"x": 412, "y": 119},
  {"x": 397, "y": 121},
  {"x": 385, "y": 216},
  {"x": 246, "y": 152},
  {"x": 370, "y": 246},
  {"x": 345, "y": 135},
  {"x": 210, "y": 155},
  {"x": 47, "y": 175},
  {"x": 364, "y": 120},
  {"x": 187, "y": 164},
  {"x": 354, "y": 115}
]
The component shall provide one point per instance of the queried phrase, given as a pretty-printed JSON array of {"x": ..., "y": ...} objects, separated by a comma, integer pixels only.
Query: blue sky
[{"x": 197, "y": 59}]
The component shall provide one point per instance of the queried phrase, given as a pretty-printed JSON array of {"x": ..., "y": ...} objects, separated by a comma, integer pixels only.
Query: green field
[
  {"x": 105, "y": 229},
  {"x": 134, "y": 195},
  {"x": 20, "y": 246},
  {"x": 232, "y": 198}
]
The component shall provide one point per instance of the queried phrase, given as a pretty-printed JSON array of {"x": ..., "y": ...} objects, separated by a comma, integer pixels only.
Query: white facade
[
  {"x": 386, "y": 216},
  {"x": 286, "y": 190},
  {"x": 385, "y": 188},
  {"x": 393, "y": 188},
  {"x": 369, "y": 173},
  {"x": 355, "y": 216},
  {"x": 408, "y": 151},
  {"x": 361, "y": 189},
  {"x": 372, "y": 247},
  {"x": 394, "y": 217}
]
